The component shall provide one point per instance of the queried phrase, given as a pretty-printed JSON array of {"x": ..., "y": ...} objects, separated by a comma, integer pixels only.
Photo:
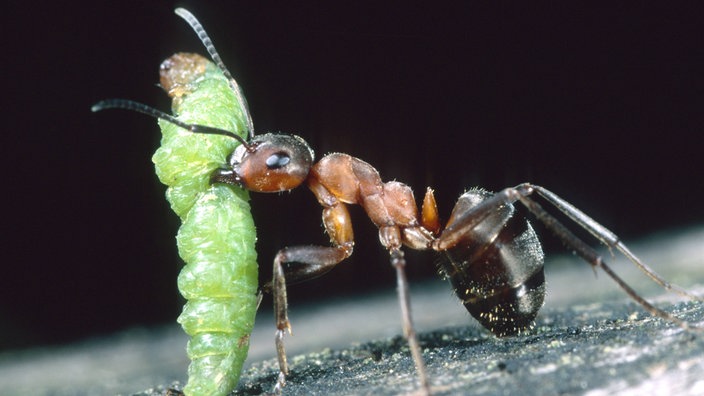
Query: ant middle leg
[{"x": 391, "y": 238}]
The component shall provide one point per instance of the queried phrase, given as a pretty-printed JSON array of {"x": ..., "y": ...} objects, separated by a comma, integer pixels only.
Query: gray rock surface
[
  {"x": 597, "y": 349},
  {"x": 588, "y": 340}
]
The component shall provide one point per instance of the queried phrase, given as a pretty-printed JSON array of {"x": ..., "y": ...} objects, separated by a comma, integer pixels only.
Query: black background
[{"x": 602, "y": 105}]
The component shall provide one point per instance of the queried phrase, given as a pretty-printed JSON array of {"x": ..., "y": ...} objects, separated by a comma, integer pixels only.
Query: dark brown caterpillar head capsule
[{"x": 268, "y": 163}]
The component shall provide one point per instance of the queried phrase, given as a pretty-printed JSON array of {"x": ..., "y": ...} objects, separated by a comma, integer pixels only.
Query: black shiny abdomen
[{"x": 497, "y": 268}]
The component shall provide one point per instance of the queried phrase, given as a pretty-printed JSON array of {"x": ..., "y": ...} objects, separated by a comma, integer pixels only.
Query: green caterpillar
[
  {"x": 216, "y": 239},
  {"x": 217, "y": 236}
]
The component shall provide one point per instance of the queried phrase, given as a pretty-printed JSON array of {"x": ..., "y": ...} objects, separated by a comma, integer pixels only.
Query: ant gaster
[{"x": 492, "y": 256}]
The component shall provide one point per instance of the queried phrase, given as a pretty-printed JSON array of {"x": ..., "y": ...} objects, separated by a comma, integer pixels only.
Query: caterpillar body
[{"x": 217, "y": 236}]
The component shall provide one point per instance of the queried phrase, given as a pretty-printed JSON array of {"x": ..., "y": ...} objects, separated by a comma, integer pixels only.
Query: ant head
[{"x": 268, "y": 163}]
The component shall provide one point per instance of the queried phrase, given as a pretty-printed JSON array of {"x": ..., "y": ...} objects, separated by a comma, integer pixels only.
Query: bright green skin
[{"x": 216, "y": 239}]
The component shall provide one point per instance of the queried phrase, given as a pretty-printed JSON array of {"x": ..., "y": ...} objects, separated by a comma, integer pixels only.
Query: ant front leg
[{"x": 315, "y": 261}]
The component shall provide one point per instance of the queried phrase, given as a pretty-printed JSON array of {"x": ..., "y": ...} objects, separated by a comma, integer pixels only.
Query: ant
[{"x": 491, "y": 255}]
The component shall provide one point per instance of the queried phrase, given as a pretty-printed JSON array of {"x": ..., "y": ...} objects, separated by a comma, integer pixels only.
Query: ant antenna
[
  {"x": 208, "y": 43},
  {"x": 150, "y": 111}
]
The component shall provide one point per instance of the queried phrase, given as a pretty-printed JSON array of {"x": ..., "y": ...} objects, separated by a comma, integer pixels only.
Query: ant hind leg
[
  {"x": 606, "y": 237},
  {"x": 589, "y": 254}
]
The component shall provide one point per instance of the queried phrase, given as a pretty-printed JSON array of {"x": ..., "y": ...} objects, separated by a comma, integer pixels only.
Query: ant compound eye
[{"x": 278, "y": 160}]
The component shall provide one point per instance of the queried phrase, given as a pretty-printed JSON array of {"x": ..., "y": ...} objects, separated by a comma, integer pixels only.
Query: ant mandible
[{"x": 492, "y": 257}]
